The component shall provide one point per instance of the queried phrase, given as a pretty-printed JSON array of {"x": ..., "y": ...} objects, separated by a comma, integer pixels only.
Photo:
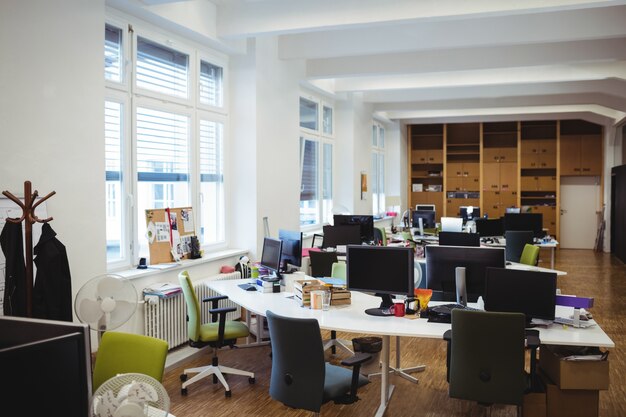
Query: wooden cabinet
[
  {"x": 500, "y": 176},
  {"x": 496, "y": 202},
  {"x": 538, "y": 183},
  {"x": 463, "y": 176},
  {"x": 499, "y": 155},
  {"x": 427, "y": 156},
  {"x": 581, "y": 155},
  {"x": 453, "y": 204},
  {"x": 538, "y": 154},
  {"x": 549, "y": 214},
  {"x": 426, "y": 197}
]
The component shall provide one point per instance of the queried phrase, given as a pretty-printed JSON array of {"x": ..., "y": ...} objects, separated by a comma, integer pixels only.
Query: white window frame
[{"x": 378, "y": 151}]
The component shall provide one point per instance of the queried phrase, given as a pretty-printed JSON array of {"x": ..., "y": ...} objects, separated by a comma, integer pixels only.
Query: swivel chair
[
  {"x": 530, "y": 255},
  {"x": 121, "y": 353},
  {"x": 300, "y": 377},
  {"x": 338, "y": 271},
  {"x": 380, "y": 236},
  {"x": 515, "y": 241},
  {"x": 322, "y": 263},
  {"x": 215, "y": 334}
]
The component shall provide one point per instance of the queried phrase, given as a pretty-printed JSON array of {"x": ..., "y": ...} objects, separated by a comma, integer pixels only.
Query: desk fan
[
  {"x": 106, "y": 302},
  {"x": 130, "y": 395}
]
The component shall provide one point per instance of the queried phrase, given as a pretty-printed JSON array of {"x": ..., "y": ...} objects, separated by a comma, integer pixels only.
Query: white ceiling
[{"x": 447, "y": 60}]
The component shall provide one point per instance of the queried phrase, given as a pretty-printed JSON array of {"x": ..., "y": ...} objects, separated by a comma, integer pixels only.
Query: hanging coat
[
  {"x": 15, "y": 273},
  {"x": 52, "y": 294}
]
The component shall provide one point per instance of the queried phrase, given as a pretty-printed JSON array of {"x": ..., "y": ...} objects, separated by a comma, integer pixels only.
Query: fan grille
[{"x": 159, "y": 408}]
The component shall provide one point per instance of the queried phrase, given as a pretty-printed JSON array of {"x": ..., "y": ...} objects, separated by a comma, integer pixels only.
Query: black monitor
[
  {"x": 270, "y": 258},
  {"x": 291, "y": 253},
  {"x": 459, "y": 239},
  {"x": 441, "y": 264},
  {"x": 383, "y": 270},
  {"x": 365, "y": 222},
  {"x": 425, "y": 207},
  {"x": 48, "y": 364},
  {"x": 427, "y": 216},
  {"x": 529, "y": 292},
  {"x": 467, "y": 214},
  {"x": 524, "y": 221},
  {"x": 490, "y": 227},
  {"x": 341, "y": 235}
]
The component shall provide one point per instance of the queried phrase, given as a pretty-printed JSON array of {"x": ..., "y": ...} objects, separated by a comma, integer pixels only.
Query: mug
[{"x": 398, "y": 309}]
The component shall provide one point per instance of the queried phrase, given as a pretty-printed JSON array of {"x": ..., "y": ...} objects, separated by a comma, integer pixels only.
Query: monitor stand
[
  {"x": 461, "y": 289},
  {"x": 383, "y": 310}
]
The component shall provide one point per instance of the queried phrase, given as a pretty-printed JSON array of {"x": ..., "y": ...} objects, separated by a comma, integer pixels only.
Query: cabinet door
[
  {"x": 547, "y": 160},
  {"x": 452, "y": 206},
  {"x": 530, "y": 183},
  {"x": 454, "y": 169},
  {"x": 508, "y": 176},
  {"x": 491, "y": 204},
  {"x": 491, "y": 176},
  {"x": 491, "y": 154},
  {"x": 530, "y": 161},
  {"x": 471, "y": 169},
  {"x": 570, "y": 155},
  {"x": 547, "y": 183},
  {"x": 547, "y": 146},
  {"x": 591, "y": 155},
  {"x": 531, "y": 146},
  {"x": 454, "y": 184},
  {"x": 471, "y": 184},
  {"x": 508, "y": 199},
  {"x": 419, "y": 156},
  {"x": 508, "y": 154}
]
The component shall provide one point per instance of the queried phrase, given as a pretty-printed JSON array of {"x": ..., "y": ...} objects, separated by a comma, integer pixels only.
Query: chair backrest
[
  {"x": 515, "y": 241},
  {"x": 339, "y": 270},
  {"x": 298, "y": 368},
  {"x": 380, "y": 235},
  {"x": 407, "y": 236},
  {"x": 487, "y": 357},
  {"x": 530, "y": 255},
  {"x": 322, "y": 263},
  {"x": 193, "y": 306},
  {"x": 121, "y": 353}
]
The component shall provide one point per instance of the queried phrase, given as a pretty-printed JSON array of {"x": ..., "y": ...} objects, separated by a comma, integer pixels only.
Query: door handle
[{"x": 563, "y": 211}]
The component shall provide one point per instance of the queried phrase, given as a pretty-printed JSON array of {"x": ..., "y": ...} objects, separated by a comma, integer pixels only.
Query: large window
[
  {"x": 316, "y": 162},
  {"x": 378, "y": 169},
  {"x": 164, "y": 137}
]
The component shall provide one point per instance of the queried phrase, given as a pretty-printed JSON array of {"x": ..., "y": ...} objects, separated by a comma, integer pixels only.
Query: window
[
  {"x": 163, "y": 144},
  {"x": 316, "y": 162},
  {"x": 378, "y": 169}
]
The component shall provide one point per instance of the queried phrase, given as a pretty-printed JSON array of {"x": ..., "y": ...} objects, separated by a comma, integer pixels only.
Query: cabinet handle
[
  {"x": 586, "y": 169},
  {"x": 576, "y": 169},
  {"x": 502, "y": 158},
  {"x": 430, "y": 159}
]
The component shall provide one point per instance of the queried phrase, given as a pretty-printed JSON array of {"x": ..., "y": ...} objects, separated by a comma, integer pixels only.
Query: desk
[
  {"x": 552, "y": 244},
  {"x": 518, "y": 266},
  {"x": 352, "y": 319}
]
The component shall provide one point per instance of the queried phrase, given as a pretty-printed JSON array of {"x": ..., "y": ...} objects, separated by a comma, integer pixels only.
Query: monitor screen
[
  {"x": 451, "y": 224},
  {"x": 292, "y": 248},
  {"x": 490, "y": 227},
  {"x": 512, "y": 210},
  {"x": 341, "y": 235},
  {"x": 365, "y": 222},
  {"x": 425, "y": 207},
  {"x": 469, "y": 213},
  {"x": 441, "y": 262},
  {"x": 383, "y": 270},
  {"x": 427, "y": 216},
  {"x": 529, "y": 292},
  {"x": 270, "y": 258},
  {"x": 524, "y": 221},
  {"x": 458, "y": 239}
]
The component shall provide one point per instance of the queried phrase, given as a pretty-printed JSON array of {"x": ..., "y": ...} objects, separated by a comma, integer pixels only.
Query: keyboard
[
  {"x": 570, "y": 322},
  {"x": 447, "y": 308}
]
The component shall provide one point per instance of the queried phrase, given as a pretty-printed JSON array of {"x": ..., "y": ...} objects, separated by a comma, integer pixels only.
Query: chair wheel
[
  {"x": 183, "y": 391},
  {"x": 228, "y": 394},
  {"x": 251, "y": 380},
  {"x": 183, "y": 377}
]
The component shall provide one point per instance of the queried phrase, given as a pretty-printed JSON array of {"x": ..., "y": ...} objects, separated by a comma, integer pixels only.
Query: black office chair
[
  {"x": 322, "y": 263},
  {"x": 300, "y": 377},
  {"x": 515, "y": 242},
  {"x": 486, "y": 357},
  {"x": 459, "y": 239}
]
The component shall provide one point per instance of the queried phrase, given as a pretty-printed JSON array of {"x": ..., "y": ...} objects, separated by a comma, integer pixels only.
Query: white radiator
[{"x": 167, "y": 318}]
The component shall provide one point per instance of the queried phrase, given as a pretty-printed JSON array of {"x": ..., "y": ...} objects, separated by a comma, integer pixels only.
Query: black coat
[
  {"x": 15, "y": 274},
  {"x": 52, "y": 294}
]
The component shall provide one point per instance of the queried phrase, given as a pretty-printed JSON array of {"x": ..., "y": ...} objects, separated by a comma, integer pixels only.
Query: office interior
[{"x": 389, "y": 64}]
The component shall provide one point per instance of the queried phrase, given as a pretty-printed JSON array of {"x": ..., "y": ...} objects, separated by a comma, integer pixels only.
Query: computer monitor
[
  {"x": 441, "y": 264},
  {"x": 425, "y": 207},
  {"x": 427, "y": 216},
  {"x": 365, "y": 222},
  {"x": 469, "y": 213},
  {"x": 524, "y": 221},
  {"x": 48, "y": 364},
  {"x": 291, "y": 253},
  {"x": 341, "y": 235},
  {"x": 458, "y": 239},
  {"x": 490, "y": 227},
  {"x": 270, "y": 258},
  {"x": 512, "y": 210},
  {"x": 529, "y": 292},
  {"x": 451, "y": 224},
  {"x": 383, "y": 270}
]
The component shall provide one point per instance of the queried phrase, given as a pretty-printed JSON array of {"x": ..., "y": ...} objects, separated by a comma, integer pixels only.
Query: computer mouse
[
  {"x": 251, "y": 288},
  {"x": 508, "y": 263}
]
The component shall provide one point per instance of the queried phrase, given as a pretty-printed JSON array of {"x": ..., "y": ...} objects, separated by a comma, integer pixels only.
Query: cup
[
  {"x": 316, "y": 299},
  {"x": 398, "y": 309},
  {"x": 326, "y": 300}
]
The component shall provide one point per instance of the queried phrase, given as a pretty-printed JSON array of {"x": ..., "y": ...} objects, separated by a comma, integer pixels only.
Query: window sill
[{"x": 186, "y": 263}]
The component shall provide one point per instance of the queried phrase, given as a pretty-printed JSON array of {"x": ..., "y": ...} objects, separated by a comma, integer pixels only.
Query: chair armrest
[
  {"x": 222, "y": 310},
  {"x": 356, "y": 359},
  {"x": 532, "y": 339},
  {"x": 447, "y": 336},
  {"x": 214, "y": 302},
  {"x": 355, "y": 362},
  {"x": 533, "y": 342}
]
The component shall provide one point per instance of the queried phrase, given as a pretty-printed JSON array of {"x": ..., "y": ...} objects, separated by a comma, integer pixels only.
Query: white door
[{"x": 580, "y": 201}]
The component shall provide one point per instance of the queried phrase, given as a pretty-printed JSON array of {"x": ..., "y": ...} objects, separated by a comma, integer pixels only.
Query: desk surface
[{"x": 352, "y": 318}]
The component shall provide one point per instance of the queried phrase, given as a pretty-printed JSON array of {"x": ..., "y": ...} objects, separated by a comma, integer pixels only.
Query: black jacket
[
  {"x": 15, "y": 274},
  {"x": 52, "y": 294}
]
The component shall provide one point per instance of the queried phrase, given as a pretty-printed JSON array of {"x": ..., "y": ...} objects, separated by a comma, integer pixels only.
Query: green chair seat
[{"x": 209, "y": 332}]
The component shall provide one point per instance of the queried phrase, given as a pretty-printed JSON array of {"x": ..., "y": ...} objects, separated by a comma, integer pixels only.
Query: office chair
[
  {"x": 338, "y": 271},
  {"x": 215, "y": 334},
  {"x": 121, "y": 353},
  {"x": 515, "y": 241},
  {"x": 322, "y": 263},
  {"x": 300, "y": 377},
  {"x": 380, "y": 236},
  {"x": 406, "y": 236},
  {"x": 530, "y": 255},
  {"x": 486, "y": 368}
]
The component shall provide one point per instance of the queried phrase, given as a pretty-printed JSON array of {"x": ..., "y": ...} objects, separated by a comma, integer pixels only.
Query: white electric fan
[
  {"x": 106, "y": 302},
  {"x": 130, "y": 395}
]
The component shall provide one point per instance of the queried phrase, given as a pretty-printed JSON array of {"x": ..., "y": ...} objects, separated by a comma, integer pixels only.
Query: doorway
[{"x": 580, "y": 202}]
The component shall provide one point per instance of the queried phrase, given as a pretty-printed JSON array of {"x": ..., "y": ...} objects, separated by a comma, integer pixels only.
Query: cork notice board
[{"x": 169, "y": 233}]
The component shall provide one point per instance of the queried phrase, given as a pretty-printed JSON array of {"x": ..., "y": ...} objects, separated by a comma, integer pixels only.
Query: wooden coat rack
[{"x": 29, "y": 218}]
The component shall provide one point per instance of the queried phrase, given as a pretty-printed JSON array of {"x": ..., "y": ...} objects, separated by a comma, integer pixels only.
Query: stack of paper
[{"x": 163, "y": 289}]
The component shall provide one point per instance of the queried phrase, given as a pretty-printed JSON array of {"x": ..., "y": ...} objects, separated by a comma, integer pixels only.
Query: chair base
[
  {"x": 338, "y": 343},
  {"x": 217, "y": 371}
]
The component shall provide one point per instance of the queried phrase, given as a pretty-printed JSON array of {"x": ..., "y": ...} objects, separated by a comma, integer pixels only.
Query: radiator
[{"x": 167, "y": 318}]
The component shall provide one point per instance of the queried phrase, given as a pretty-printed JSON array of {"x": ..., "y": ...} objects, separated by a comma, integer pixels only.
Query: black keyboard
[{"x": 447, "y": 308}]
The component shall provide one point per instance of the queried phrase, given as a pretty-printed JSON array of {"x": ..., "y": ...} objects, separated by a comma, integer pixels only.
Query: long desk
[{"x": 352, "y": 319}]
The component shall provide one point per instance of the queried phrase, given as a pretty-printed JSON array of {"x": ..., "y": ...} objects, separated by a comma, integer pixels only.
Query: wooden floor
[{"x": 589, "y": 274}]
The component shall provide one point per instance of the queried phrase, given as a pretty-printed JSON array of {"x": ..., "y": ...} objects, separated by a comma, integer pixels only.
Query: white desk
[
  {"x": 552, "y": 244},
  {"x": 352, "y": 319},
  {"x": 518, "y": 266}
]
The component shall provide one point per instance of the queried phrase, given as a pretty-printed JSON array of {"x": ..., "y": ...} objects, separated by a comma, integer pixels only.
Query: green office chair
[
  {"x": 122, "y": 353},
  {"x": 530, "y": 255},
  {"x": 215, "y": 334},
  {"x": 338, "y": 271},
  {"x": 300, "y": 377},
  {"x": 407, "y": 237},
  {"x": 380, "y": 236}
]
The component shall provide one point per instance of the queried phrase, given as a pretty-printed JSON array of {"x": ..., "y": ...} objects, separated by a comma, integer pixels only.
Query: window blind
[
  {"x": 308, "y": 188},
  {"x": 211, "y": 156},
  {"x": 162, "y": 69},
  {"x": 211, "y": 88},
  {"x": 112, "y": 140},
  {"x": 112, "y": 53}
]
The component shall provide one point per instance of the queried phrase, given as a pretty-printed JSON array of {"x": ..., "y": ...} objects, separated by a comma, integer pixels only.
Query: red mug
[{"x": 398, "y": 309}]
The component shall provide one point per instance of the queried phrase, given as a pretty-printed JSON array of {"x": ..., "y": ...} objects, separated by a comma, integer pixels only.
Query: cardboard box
[
  {"x": 574, "y": 375},
  {"x": 534, "y": 405},
  {"x": 571, "y": 402}
]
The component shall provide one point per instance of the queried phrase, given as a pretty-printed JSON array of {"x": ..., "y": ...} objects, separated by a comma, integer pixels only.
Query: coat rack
[{"x": 29, "y": 218}]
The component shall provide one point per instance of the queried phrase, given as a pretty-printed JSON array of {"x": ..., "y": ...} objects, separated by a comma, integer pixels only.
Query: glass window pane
[
  {"x": 112, "y": 53},
  {"x": 162, "y": 69},
  {"x": 327, "y": 183},
  {"x": 211, "y": 88},
  {"x": 374, "y": 135},
  {"x": 308, "y": 114},
  {"x": 309, "y": 205},
  {"x": 114, "y": 189},
  {"x": 381, "y": 138},
  {"x": 211, "y": 182},
  {"x": 327, "y": 119}
]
